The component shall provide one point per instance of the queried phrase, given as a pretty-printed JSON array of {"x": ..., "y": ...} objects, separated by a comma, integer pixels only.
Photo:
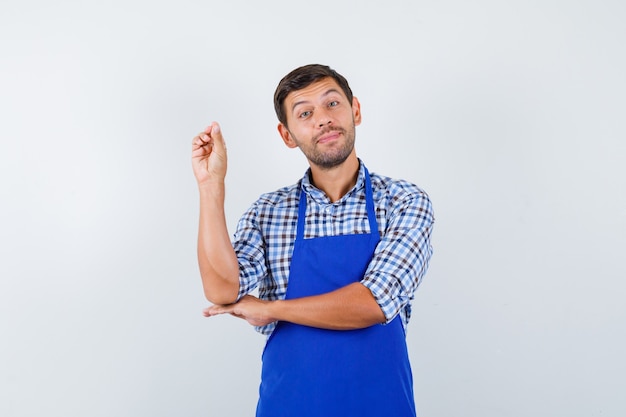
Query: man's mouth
[{"x": 329, "y": 135}]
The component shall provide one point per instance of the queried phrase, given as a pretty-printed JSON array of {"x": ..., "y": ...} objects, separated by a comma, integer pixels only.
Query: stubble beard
[{"x": 331, "y": 157}]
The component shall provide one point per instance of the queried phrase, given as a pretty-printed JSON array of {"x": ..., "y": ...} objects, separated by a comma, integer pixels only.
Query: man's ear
[
  {"x": 286, "y": 135},
  {"x": 356, "y": 111}
]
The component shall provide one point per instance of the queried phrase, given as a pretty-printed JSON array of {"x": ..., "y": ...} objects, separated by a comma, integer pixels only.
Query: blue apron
[{"x": 330, "y": 373}]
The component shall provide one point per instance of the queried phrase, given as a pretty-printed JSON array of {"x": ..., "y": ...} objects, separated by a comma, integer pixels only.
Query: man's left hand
[{"x": 249, "y": 308}]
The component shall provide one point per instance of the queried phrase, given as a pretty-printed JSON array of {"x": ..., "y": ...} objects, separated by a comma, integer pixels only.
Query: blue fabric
[
  {"x": 324, "y": 373},
  {"x": 266, "y": 235}
]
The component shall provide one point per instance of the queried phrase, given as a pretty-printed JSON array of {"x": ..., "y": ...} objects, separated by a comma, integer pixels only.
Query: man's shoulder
[
  {"x": 396, "y": 189},
  {"x": 283, "y": 197}
]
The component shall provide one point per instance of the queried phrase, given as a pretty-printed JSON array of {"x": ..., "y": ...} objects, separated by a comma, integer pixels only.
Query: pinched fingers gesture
[{"x": 208, "y": 155}]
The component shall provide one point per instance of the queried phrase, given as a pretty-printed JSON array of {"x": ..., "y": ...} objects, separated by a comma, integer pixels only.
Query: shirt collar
[{"x": 320, "y": 197}]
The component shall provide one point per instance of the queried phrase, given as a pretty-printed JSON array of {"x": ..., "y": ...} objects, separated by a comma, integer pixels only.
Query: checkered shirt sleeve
[{"x": 403, "y": 254}]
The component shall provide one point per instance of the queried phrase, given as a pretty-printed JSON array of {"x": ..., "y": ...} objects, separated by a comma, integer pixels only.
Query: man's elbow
[
  {"x": 220, "y": 296},
  {"x": 220, "y": 289}
]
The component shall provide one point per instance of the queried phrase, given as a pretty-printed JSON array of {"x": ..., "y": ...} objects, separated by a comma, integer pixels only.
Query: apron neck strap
[{"x": 369, "y": 204}]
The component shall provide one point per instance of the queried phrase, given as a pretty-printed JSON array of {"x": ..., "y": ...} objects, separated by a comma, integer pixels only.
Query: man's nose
[{"x": 323, "y": 119}]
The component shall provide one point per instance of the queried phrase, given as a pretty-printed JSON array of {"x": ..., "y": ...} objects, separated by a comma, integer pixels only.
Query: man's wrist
[
  {"x": 274, "y": 309},
  {"x": 213, "y": 188}
]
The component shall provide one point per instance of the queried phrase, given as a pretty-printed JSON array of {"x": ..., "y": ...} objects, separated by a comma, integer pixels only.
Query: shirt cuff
[{"x": 387, "y": 293}]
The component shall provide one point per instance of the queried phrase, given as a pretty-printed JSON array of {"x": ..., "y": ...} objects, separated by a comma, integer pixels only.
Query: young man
[{"x": 337, "y": 258}]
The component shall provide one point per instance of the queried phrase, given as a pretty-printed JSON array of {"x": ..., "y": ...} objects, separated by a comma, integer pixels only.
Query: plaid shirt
[{"x": 265, "y": 237}]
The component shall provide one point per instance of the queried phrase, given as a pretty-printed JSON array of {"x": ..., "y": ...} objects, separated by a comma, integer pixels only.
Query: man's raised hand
[{"x": 208, "y": 155}]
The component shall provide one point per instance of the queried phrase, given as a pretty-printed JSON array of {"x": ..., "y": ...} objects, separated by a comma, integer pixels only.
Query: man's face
[{"x": 321, "y": 122}]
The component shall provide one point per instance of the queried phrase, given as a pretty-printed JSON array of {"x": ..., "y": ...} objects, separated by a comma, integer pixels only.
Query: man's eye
[
  {"x": 305, "y": 114},
  {"x": 333, "y": 104}
]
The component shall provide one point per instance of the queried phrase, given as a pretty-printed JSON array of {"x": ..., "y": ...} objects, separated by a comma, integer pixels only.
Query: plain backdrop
[{"x": 510, "y": 114}]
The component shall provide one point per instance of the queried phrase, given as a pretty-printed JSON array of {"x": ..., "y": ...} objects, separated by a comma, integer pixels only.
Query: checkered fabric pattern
[{"x": 265, "y": 237}]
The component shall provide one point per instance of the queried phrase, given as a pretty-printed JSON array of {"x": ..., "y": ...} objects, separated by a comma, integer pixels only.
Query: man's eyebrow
[{"x": 330, "y": 91}]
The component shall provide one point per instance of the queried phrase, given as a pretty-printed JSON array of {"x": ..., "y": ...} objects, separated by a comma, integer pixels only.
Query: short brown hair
[{"x": 303, "y": 77}]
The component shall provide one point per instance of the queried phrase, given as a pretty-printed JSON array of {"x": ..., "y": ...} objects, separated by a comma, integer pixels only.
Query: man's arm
[
  {"x": 349, "y": 307},
  {"x": 400, "y": 261},
  {"x": 217, "y": 260},
  {"x": 403, "y": 254}
]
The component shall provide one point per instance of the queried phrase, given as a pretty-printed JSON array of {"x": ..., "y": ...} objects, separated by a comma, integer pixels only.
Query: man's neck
[{"x": 337, "y": 181}]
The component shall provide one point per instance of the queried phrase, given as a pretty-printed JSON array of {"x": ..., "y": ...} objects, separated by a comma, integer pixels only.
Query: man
[{"x": 337, "y": 258}]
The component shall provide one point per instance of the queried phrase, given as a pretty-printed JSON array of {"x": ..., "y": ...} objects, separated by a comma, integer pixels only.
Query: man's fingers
[
  {"x": 212, "y": 135},
  {"x": 201, "y": 139},
  {"x": 215, "y": 133},
  {"x": 216, "y": 310}
]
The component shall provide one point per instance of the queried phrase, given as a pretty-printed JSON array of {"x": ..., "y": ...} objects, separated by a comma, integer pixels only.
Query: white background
[{"x": 510, "y": 114}]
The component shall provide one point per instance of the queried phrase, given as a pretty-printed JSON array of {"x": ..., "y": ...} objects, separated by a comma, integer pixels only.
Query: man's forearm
[
  {"x": 217, "y": 260},
  {"x": 350, "y": 307}
]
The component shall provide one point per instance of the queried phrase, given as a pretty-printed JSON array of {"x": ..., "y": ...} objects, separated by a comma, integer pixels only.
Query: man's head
[
  {"x": 318, "y": 114},
  {"x": 303, "y": 77}
]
